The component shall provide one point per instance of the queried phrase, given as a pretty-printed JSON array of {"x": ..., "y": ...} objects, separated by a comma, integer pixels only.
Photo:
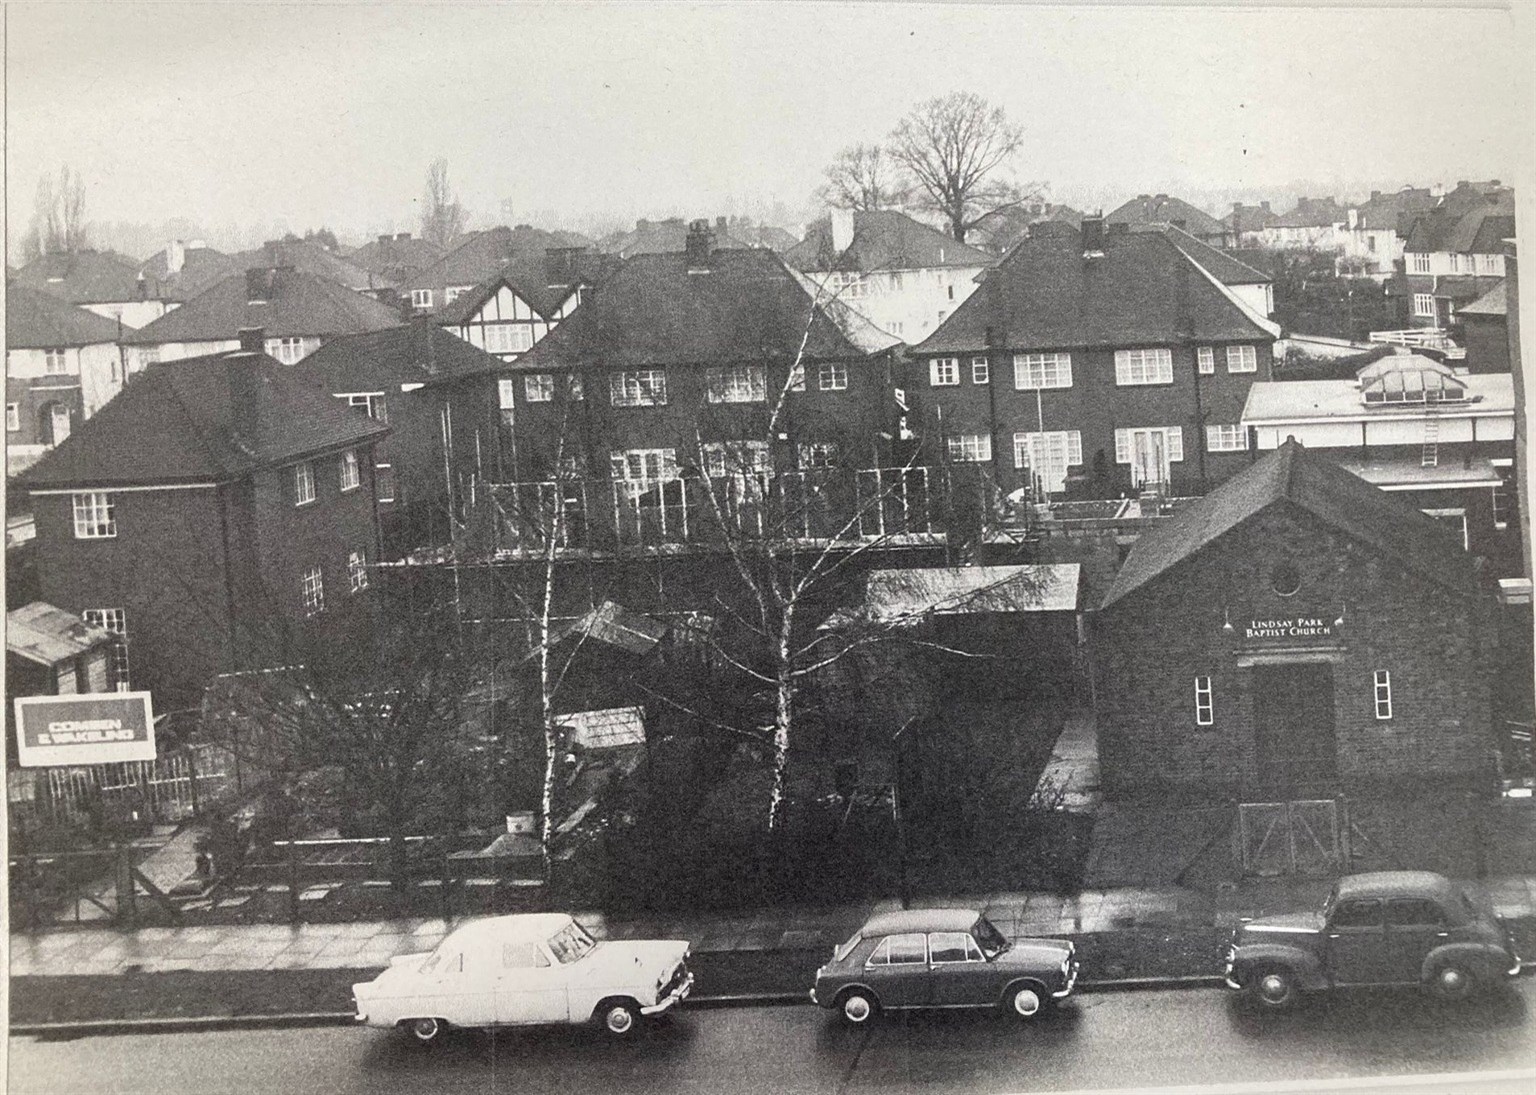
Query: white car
[{"x": 527, "y": 969}]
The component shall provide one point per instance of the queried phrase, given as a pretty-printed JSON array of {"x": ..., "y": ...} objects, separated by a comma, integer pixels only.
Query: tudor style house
[
  {"x": 62, "y": 364},
  {"x": 1097, "y": 363},
  {"x": 904, "y": 277},
  {"x": 212, "y": 514},
  {"x": 1157, "y": 211},
  {"x": 1454, "y": 253},
  {"x": 299, "y": 312},
  {"x": 98, "y": 281},
  {"x": 503, "y": 317},
  {"x": 529, "y": 256}
]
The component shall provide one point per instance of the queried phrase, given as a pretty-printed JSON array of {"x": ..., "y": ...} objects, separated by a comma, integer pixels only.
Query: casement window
[
  {"x": 981, "y": 371},
  {"x": 452, "y": 293},
  {"x": 539, "y": 387},
  {"x": 1242, "y": 359},
  {"x": 944, "y": 372},
  {"x": 1133, "y": 367},
  {"x": 1048, "y": 456},
  {"x": 722, "y": 458},
  {"x": 832, "y": 376},
  {"x": 816, "y": 454},
  {"x": 1503, "y": 494},
  {"x": 1035, "y": 371},
  {"x": 1205, "y": 360},
  {"x": 1383, "y": 694},
  {"x": 312, "y": 589},
  {"x": 736, "y": 384},
  {"x": 1418, "y": 263},
  {"x": 1171, "y": 438},
  {"x": 95, "y": 516},
  {"x": 351, "y": 473},
  {"x": 289, "y": 351},
  {"x": 55, "y": 362},
  {"x": 12, "y": 418},
  {"x": 508, "y": 338},
  {"x": 797, "y": 378},
  {"x": 638, "y": 388},
  {"x": 370, "y": 403},
  {"x": 114, "y": 620},
  {"x": 1455, "y": 263},
  {"x": 357, "y": 570},
  {"x": 851, "y": 286},
  {"x": 421, "y": 299},
  {"x": 384, "y": 482},
  {"x": 1490, "y": 264},
  {"x": 303, "y": 483},
  {"x": 643, "y": 466},
  {"x": 1205, "y": 712},
  {"x": 1424, "y": 305},
  {"x": 506, "y": 394},
  {"x": 971, "y": 448},
  {"x": 1226, "y": 438}
]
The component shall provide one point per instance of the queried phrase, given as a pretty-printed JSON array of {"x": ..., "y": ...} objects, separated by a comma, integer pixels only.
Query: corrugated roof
[
  {"x": 915, "y": 593},
  {"x": 1296, "y": 476},
  {"x": 1149, "y": 210},
  {"x": 420, "y": 353},
  {"x": 178, "y": 422},
  {"x": 85, "y": 277},
  {"x": 884, "y": 239},
  {"x": 45, "y": 635},
  {"x": 39, "y": 321}
]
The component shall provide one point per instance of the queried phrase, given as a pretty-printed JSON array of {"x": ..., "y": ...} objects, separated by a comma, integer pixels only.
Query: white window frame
[
  {"x": 1418, "y": 263},
  {"x": 638, "y": 388},
  {"x": 1041, "y": 372},
  {"x": 944, "y": 372},
  {"x": 539, "y": 387},
  {"x": 816, "y": 454},
  {"x": 1141, "y": 367},
  {"x": 303, "y": 483},
  {"x": 970, "y": 448},
  {"x": 13, "y": 418},
  {"x": 384, "y": 475},
  {"x": 115, "y": 622},
  {"x": 357, "y": 570},
  {"x": 1504, "y": 494},
  {"x": 288, "y": 350},
  {"x": 653, "y": 466},
  {"x": 1205, "y": 709},
  {"x": 1038, "y": 452},
  {"x": 1382, "y": 689},
  {"x": 736, "y": 384},
  {"x": 373, "y": 404},
  {"x": 452, "y": 293},
  {"x": 1458, "y": 513},
  {"x": 56, "y": 362},
  {"x": 743, "y": 458},
  {"x": 351, "y": 471},
  {"x": 1242, "y": 359},
  {"x": 981, "y": 371},
  {"x": 508, "y": 338},
  {"x": 1424, "y": 305},
  {"x": 1226, "y": 438},
  {"x": 421, "y": 300},
  {"x": 95, "y": 515},
  {"x": 1205, "y": 360},
  {"x": 312, "y": 590},
  {"x": 506, "y": 393},
  {"x": 832, "y": 376}
]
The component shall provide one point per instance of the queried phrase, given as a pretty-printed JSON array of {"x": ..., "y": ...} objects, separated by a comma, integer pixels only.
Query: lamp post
[{"x": 903, "y": 882}]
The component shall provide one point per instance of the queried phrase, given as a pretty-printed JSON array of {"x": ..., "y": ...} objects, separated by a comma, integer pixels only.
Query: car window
[
  {"x": 1414, "y": 912},
  {"x": 900, "y": 950},
  {"x": 843, "y": 950},
  {"x": 522, "y": 956},
  {"x": 991, "y": 940},
  {"x": 950, "y": 947},
  {"x": 571, "y": 944},
  {"x": 1357, "y": 914}
]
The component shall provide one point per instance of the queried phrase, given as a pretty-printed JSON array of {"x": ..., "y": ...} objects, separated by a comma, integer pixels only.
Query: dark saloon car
[
  {"x": 1381, "y": 928},
  {"x": 942, "y": 958}
]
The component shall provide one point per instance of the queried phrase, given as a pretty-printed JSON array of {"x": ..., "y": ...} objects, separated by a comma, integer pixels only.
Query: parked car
[
  {"x": 517, "y": 970},
  {"x": 942, "y": 958},
  {"x": 1381, "y": 928}
]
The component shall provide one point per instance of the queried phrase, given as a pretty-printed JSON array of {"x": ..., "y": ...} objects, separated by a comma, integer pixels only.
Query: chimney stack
[
  {"x": 1265, "y": 206},
  {"x": 253, "y": 339},
  {"x": 699, "y": 244},
  {"x": 175, "y": 257},
  {"x": 242, "y": 372},
  {"x": 384, "y": 238},
  {"x": 402, "y": 235},
  {"x": 259, "y": 284},
  {"x": 1093, "y": 235},
  {"x": 1375, "y": 194},
  {"x": 842, "y": 229}
]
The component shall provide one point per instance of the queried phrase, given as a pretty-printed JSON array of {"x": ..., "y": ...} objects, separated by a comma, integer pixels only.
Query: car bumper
[
  {"x": 678, "y": 994},
  {"x": 1066, "y": 989},
  {"x": 1515, "y": 965}
]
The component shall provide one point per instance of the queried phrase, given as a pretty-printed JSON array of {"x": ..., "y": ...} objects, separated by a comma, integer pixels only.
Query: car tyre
[
  {"x": 858, "y": 1007},
  {"x": 1274, "y": 987},
  {"x": 1453, "y": 982},
  {"x": 425, "y": 1030},
  {"x": 619, "y": 1018},
  {"x": 1026, "y": 1001}
]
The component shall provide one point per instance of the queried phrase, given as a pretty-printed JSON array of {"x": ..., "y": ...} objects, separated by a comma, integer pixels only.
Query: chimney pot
[
  {"x": 175, "y": 257},
  {"x": 842, "y": 229}
]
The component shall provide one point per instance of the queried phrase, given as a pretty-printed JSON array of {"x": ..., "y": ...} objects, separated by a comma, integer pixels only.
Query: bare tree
[
  {"x": 956, "y": 148},
  {"x": 442, "y": 217},
  {"x": 58, "y": 216},
  {"x": 863, "y": 177}
]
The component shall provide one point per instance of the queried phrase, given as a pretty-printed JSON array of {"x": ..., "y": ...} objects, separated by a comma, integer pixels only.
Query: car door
[
  {"x": 959, "y": 974},
  {"x": 1357, "y": 942},
  {"x": 1415, "y": 926},
  {"x": 897, "y": 969},
  {"x": 531, "y": 989},
  {"x": 466, "y": 990}
]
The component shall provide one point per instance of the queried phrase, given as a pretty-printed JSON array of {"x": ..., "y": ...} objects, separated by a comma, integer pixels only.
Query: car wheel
[
  {"x": 1453, "y": 981},
  {"x": 859, "y": 1007},
  {"x": 1274, "y": 987},
  {"x": 424, "y": 1031},
  {"x": 620, "y": 1018},
  {"x": 1026, "y": 1001}
]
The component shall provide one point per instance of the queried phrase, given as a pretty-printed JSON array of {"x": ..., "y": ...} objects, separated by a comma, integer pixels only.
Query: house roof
[
  {"x": 201, "y": 267},
  {"x": 1296, "y": 476},
  {"x": 1249, "y": 218},
  {"x": 1495, "y": 302},
  {"x": 85, "y": 277},
  {"x": 1275, "y": 402},
  {"x": 200, "y": 420},
  {"x": 653, "y": 311},
  {"x": 1468, "y": 220},
  {"x": 291, "y": 303},
  {"x": 609, "y": 728},
  {"x": 517, "y": 252},
  {"x": 1222, "y": 266},
  {"x": 658, "y": 237},
  {"x": 309, "y": 257},
  {"x": 894, "y": 596},
  {"x": 463, "y": 307},
  {"x": 40, "y": 321},
  {"x": 1142, "y": 290},
  {"x": 396, "y": 257},
  {"x": 45, "y": 635},
  {"x": 1394, "y": 210},
  {"x": 1312, "y": 213},
  {"x": 1410, "y": 473},
  {"x": 1467, "y": 287},
  {"x": 419, "y": 353},
  {"x": 616, "y": 626},
  {"x": 883, "y": 239},
  {"x": 1147, "y": 210}
]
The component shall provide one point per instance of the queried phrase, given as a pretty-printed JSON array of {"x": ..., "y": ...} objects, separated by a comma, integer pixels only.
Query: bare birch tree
[
  {"x": 442, "y": 217},
  {"x": 58, "y": 216}
]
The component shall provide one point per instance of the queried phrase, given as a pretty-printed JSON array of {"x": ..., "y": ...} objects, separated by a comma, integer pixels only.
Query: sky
[{"x": 243, "y": 114}]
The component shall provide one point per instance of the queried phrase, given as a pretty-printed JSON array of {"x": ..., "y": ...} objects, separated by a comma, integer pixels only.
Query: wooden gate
[{"x": 1298, "y": 837}]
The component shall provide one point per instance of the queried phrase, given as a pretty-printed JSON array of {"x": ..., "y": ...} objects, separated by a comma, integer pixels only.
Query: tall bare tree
[
  {"x": 957, "y": 148},
  {"x": 58, "y": 216},
  {"x": 863, "y": 177},
  {"x": 442, "y": 217}
]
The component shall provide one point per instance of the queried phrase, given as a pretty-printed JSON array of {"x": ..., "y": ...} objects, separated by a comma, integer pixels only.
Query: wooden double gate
[{"x": 1305, "y": 836}]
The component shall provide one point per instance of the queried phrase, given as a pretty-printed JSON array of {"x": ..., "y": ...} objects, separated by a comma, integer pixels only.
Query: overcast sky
[{"x": 245, "y": 113}]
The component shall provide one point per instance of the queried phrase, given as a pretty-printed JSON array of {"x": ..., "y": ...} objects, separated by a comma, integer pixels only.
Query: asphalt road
[{"x": 1136, "y": 1040}]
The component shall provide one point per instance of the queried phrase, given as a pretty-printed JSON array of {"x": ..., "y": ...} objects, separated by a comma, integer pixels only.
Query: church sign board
[{"x": 1288, "y": 629}]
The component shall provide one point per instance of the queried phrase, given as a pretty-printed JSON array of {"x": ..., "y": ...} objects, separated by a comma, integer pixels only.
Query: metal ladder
[{"x": 1431, "y": 453}]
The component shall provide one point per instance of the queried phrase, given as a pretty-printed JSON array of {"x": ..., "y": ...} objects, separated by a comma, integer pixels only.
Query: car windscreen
[
  {"x": 843, "y": 950},
  {"x": 571, "y": 943},
  {"x": 992, "y": 941}
]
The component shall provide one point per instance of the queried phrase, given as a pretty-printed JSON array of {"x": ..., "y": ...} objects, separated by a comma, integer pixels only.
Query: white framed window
[
  {"x": 1226, "y": 438},
  {"x": 1171, "y": 437},
  {"x": 370, "y": 403},
  {"x": 421, "y": 299},
  {"x": 722, "y": 458},
  {"x": 971, "y": 448},
  {"x": 832, "y": 376},
  {"x": 288, "y": 350},
  {"x": 12, "y": 418},
  {"x": 508, "y": 338},
  {"x": 1490, "y": 264},
  {"x": 55, "y": 362},
  {"x": 95, "y": 516},
  {"x": 1205, "y": 360},
  {"x": 573, "y": 388},
  {"x": 1242, "y": 359},
  {"x": 736, "y": 384},
  {"x": 506, "y": 394},
  {"x": 797, "y": 378},
  {"x": 1134, "y": 367},
  {"x": 1424, "y": 305},
  {"x": 981, "y": 371},
  {"x": 944, "y": 372},
  {"x": 351, "y": 472},
  {"x": 303, "y": 483},
  {"x": 816, "y": 454},
  {"x": 312, "y": 589},
  {"x": 452, "y": 293},
  {"x": 539, "y": 387},
  {"x": 114, "y": 620},
  {"x": 357, "y": 570},
  {"x": 1383, "y": 691},
  {"x": 1205, "y": 711},
  {"x": 1034, "y": 371},
  {"x": 640, "y": 469},
  {"x": 1504, "y": 497},
  {"x": 638, "y": 388},
  {"x": 1048, "y": 455},
  {"x": 384, "y": 482},
  {"x": 1418, "y": 263}
]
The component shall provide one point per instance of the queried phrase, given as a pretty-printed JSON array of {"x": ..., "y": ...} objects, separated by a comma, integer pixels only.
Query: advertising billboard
[{"x": 98, "y": 728}]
